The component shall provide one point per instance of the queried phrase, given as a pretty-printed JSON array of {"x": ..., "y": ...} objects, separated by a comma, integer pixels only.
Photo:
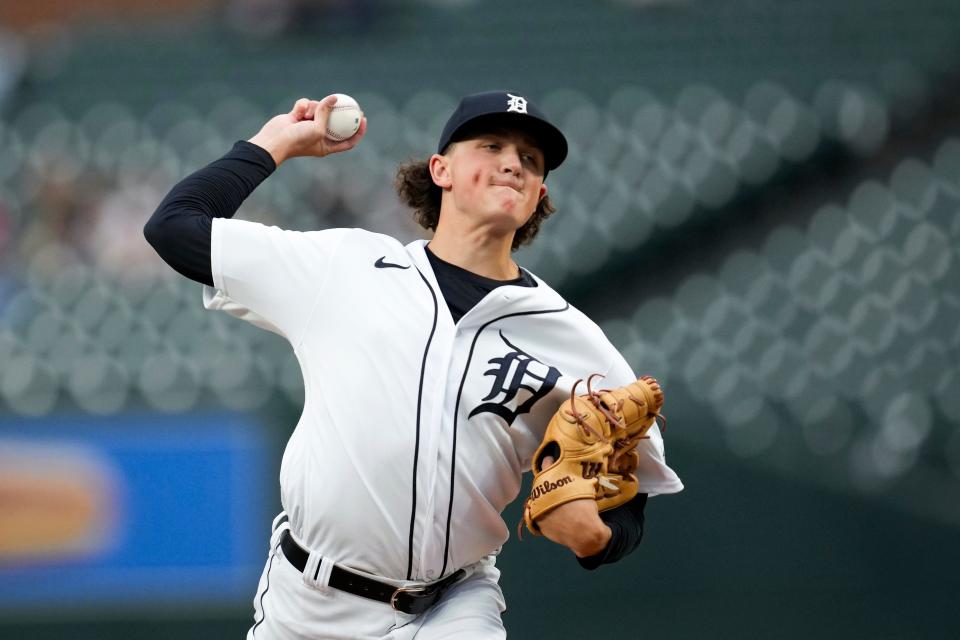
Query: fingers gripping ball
[
  {"x": 344, "y": 119},
  {"x": 593, "y": 440}
]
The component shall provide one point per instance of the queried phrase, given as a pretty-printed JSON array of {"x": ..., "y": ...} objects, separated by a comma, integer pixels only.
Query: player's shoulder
[
  {"x": 369, "y": 238},
  {"x": 355, "y": 237},
  {"x": 590, "y": 328},
  {"x": 572, "y": 314}
]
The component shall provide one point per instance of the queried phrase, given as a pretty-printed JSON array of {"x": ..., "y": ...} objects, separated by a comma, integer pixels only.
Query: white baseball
[{"x": 344, "y": 120}]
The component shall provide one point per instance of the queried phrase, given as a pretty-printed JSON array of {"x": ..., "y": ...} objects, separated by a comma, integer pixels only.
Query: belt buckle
[{"x": 402, "y": 590}]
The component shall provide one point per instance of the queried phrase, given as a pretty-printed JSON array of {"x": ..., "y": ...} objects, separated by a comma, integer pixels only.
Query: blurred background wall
[{"x": 761, "y": 208}]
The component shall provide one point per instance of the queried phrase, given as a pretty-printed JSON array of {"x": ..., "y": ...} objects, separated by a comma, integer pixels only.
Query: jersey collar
[{"x": 504, "y": 300}]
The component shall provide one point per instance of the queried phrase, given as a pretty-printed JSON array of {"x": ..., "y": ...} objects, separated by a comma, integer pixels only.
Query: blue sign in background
[{"x": 189, "y": 514}]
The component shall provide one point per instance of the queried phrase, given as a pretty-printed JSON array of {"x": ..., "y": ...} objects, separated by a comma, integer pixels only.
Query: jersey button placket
[{"x": 432, "y": 536}]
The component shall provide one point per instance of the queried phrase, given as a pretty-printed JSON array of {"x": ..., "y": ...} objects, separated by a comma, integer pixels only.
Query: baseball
[{"x": 345, "y": 118}]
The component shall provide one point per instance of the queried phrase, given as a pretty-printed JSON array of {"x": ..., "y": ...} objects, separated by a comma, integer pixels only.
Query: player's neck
[{"x": 476, "y": 251}]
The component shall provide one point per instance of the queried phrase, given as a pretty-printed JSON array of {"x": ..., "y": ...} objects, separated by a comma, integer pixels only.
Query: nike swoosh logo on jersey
[{"x": 380, "y": 264}]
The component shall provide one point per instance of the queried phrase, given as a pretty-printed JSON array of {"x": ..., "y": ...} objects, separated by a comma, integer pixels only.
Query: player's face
[{"x": 497, "y": 177}]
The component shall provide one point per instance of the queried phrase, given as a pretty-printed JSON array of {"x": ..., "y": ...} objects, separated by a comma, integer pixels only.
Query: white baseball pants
[{"x": 290, "y": 606}]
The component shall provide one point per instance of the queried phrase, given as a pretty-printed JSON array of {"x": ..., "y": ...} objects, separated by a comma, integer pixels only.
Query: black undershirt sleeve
[
  {"x": 180, "y": 229},
  {"x": 626, "y": 524}
]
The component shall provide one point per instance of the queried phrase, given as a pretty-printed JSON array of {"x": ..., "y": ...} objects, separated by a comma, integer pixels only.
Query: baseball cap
[{"x": 510, "y": 109}]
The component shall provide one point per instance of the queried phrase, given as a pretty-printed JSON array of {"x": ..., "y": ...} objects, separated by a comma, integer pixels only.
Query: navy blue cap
[{"x": 501, "y": 108}]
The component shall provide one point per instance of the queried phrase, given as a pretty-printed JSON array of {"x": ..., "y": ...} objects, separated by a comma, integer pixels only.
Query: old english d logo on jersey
[{"x": 515, "y": 371}]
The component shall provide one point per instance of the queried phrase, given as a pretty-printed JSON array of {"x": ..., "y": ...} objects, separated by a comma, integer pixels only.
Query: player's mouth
[{"x": 511, "y": 185}]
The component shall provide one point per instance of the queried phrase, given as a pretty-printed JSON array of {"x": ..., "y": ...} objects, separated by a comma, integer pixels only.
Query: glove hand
[
  {"x": 303, "y": 132},
  {"x": 588, "y": 454},
  {"x": 576, "y": 525}
]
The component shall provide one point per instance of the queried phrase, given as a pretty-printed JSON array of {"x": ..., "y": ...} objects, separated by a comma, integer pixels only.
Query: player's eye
[{"x": 532, "y": 161}]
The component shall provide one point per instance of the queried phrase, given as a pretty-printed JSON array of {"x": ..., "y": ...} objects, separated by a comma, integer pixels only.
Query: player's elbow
[
  {"x": 161, "y": 231},
  {"x": 153, "y": 233}
]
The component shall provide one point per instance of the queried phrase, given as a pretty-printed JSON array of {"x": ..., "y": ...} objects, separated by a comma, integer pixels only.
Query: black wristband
[{"x": 626, "y": 527}]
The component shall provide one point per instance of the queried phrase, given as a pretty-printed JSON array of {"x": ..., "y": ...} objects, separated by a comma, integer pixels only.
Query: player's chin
[
  {"x": 510, "y": 206},
  {"x": 510, "y": 218}
]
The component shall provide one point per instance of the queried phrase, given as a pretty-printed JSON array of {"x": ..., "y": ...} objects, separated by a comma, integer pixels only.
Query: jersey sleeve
[
  {"x": 268, "y": 276},
  {"x": 653, "y": 475}
]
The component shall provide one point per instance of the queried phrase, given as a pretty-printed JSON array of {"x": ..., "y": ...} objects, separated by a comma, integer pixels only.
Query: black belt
[{"x": 413, "y": 600}]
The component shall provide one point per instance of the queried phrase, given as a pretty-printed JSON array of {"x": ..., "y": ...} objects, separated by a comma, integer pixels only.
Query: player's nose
[{"x": 510, "y": 160}]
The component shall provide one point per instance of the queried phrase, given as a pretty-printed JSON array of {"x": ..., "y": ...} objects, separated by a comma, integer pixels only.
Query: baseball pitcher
[{"x": 436, "y": 373}]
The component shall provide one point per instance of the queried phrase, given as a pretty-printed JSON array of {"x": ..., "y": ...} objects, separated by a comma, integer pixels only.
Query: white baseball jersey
[{"x": 415, "y": 430}]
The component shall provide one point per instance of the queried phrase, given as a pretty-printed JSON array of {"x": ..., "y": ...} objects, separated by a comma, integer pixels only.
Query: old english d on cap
[{"x": 505, "y": 109}]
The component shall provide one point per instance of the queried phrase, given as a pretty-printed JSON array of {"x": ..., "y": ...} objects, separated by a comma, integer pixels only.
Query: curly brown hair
[{"x": 417, "y": 190}]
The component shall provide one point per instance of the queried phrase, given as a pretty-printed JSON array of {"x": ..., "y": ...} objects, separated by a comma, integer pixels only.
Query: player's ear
[
  {"x": 543, "y": 193},
  {"x": 440, "y": 171}
]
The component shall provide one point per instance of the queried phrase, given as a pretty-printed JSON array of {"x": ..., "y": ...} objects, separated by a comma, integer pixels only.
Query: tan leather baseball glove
[{"x": 593, "y": 439}]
